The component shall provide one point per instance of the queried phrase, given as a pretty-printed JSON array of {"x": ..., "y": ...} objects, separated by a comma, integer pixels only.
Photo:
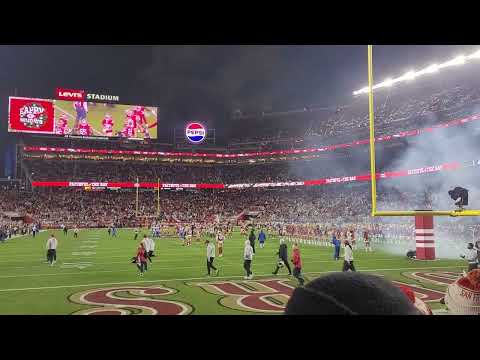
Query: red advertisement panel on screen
[{"x": 31, "y": 116}]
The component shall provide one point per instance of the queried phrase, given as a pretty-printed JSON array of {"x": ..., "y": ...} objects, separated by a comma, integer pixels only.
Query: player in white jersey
[
  {"x": 220, "y": 239},
  {"x": 352, "y": 239},
  {"x": 149, "y": 246},
  {"x": 189, "y": 235},
  {"x": 51, "y": 247},
  {"x": 210, "y": 258},
  {"x": 151, "y": 249},
  {"x": 146, "y": 245},
  {"x": 75, "y": 232}
]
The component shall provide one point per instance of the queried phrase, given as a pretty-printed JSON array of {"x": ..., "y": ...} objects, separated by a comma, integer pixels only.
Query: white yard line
[
  {"x": 220, "y": 263},
  {"x": 90, "y": 259},
  {"x": 106, "y": 251},
  {"x": 311, "y": 259},
  {"x": 190, "y": 267}
]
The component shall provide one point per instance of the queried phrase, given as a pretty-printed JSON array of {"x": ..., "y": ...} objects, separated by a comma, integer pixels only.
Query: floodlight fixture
[{"x": 459, "y": 60}]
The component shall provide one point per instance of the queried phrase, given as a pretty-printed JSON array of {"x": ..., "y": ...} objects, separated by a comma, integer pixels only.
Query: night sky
[{"x": 207, "y": 83}]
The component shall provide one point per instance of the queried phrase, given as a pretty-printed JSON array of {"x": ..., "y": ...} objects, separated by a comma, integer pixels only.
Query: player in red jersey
[
  {"x": 107, "y": 124},
  {"x": 131, "y": 119},
  {"x": 141, "y": 121},
  {"x": 129, "y": 125},
  {"x": 140, "y": 259},
  {"x": 84, "y": 128},
  {"x": 139, "y": 115},
  {"x": 62, "y": 126},
  {"x": 366, "y": 241}
]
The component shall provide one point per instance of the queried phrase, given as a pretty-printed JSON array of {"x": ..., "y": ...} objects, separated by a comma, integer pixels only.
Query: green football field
[{"x": 94, "y": 275}]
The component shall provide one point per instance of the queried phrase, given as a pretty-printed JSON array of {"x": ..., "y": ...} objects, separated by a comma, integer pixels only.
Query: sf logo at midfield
[
  {"x": 262, "y": 296},
  {"x": 130, "y": 300}
]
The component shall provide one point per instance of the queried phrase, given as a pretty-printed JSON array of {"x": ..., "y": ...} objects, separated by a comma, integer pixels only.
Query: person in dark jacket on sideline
[
  {"x": 282, "y": 258},
  {"x": 252, "y": 238},
  {"x": 261, "y": 238},
  {"x": 336, "y": 243}
]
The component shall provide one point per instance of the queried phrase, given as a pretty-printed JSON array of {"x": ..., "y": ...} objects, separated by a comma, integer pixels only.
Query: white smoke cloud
[{"x": 459, "y": 144}]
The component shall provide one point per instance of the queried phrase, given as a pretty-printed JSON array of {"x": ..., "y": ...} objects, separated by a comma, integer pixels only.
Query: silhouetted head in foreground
[{"x": 350, "y": 293}]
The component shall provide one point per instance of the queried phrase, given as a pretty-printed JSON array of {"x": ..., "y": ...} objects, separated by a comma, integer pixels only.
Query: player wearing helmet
[
  {"x": 107, "y": 124},
  {"x": 62, "y": 125},
  {"x": 81, "y": 109},
  {"x": 128, "y": 130},
  {"x": 84, "y": 128}
]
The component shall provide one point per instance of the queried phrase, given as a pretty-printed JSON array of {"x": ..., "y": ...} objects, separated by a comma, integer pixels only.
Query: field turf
[{"x": 94, "y": 275}]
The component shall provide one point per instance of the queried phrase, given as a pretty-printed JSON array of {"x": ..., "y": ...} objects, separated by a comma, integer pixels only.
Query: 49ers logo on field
[
  {"x": 262, "y": 296},
  {"x": 33, "y": 115},
  {"x": 130, "y": 300}
]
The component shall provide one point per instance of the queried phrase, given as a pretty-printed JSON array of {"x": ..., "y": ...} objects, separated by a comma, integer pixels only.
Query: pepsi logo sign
[{"x": 195, "y": 132}]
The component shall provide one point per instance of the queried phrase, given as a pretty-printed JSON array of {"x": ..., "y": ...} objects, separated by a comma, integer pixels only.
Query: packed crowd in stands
[
  {"x": 337, "y": 207},
  {"x": 401, "y": 111},
  {"x": 280, "y": 171},
  {"x": 109, "y": 171}
]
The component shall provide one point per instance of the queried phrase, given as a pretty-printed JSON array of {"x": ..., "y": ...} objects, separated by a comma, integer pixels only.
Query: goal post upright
[
  {"x": 373, "y": 170},
  {"x": 137, "y": 185},
  {"x": 158, "y": 197}
]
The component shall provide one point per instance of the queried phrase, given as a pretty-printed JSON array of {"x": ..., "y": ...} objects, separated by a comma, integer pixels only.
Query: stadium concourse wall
[
  {"x": 326, "y": 181},
  {"x": 402, "y": 134}
]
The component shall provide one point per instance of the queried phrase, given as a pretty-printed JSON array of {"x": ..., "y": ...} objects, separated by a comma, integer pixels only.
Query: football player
[
  {"x": 107, "y": 124},
  {"x": 81, "y": 109},
  {"x": 220, "y": 239},
  {"x": 84, "y": 129},
  {"x": 62, "y": 125}
]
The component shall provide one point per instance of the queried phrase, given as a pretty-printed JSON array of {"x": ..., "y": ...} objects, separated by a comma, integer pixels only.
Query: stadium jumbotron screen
[{"x": 77, "y": 118}]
